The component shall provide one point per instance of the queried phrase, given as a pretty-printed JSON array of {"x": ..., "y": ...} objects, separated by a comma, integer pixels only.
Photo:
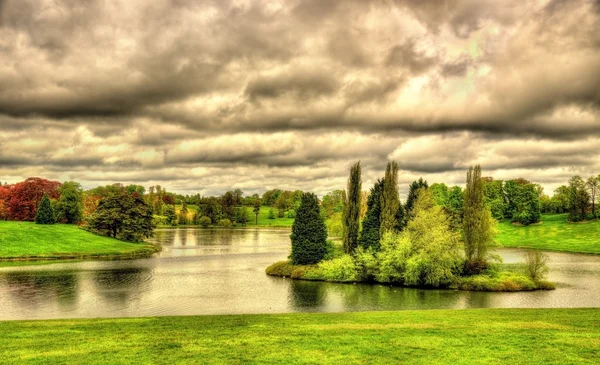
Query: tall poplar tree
[
  {"x": 390, "y": 200},
  {"x": 479, "y": 227},
  {"x": 351, "y": 216},
  {"x": 369, "y": 236}
]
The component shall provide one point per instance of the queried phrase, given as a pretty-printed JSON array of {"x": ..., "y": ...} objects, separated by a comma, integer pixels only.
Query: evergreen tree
[
  {"x": 309, "y": 235},
  {"x": 390, "y": 200},
  {"x": 413, "y": 194},
  {"x": 351, "y": 216},
  {"x": 45, "y": 214},
  {"x": 171, "y": 216},
  {"x": 256, "y": 209},
  {"x": 479, "y": 227},
  {"x": 369, "y": 236},
  {"x": 70, "y": 203}
]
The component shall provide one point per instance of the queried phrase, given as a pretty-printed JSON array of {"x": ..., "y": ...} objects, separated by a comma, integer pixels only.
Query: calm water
[{"x": 222, "y": 272}]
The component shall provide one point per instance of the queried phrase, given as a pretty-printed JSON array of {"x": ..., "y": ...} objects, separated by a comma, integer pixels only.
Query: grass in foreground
[
  {"x": 481, "y": 336},
  {"x": 554, "y": 233},
  {"x": 27, "y": 240}
]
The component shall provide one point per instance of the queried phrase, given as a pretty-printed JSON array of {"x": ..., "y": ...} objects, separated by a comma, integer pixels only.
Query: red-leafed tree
[
  {"x": 26, "y": 196},
  {"x": 4, "y": 199}
]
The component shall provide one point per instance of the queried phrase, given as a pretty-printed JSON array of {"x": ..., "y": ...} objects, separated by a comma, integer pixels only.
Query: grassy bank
[
  {"x": 30, "y": 241},
  {"x": 554, "y": 233},
  {"x": 515, "y": 336},
  {"x": 498, "y": 281}
]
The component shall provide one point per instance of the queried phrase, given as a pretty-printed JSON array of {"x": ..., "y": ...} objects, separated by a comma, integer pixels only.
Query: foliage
[
  {"x": 333, "y": 202},
  {"x": 204, "y": 221},
  {"x": 502, "y": 282},
  {"x": 523, "y": 201},
  {"x": 70, "y": 204},
  {"x": 369, "y": 236},
  {"x": 335, "y": 226},
  {"x": 270, "y": 196},
  {"x": 493, "y": 197},
  {"x": 390, "y": 200},
  {"x": 413, "y": 194},
  {"x": 593, "y": 186},
  {"x": 26, "y": 196},
  {"x": 479, "y": 228},
  {"x": 124, "y": 216},
  {"x": 271, "y": 214},
  {"x": 241, "y": 215},
  {"x": 440, "y": 193},
  {"x": 351, "y": 216},
  {"x": 536, "y": 264},
  {"x": 183, "y": 214},
  {"x": 308, "y": 233},
  {"x": 578, "y": 199},
  {"x": 171, "y": 216},
  {"x": 45, "y": 214},
  {"x": 226, "y": 223},
  {"x": 340, "y": 269},
  {"x": 256, "y": 209}
]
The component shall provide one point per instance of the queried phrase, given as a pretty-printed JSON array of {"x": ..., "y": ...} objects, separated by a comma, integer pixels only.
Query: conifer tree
[
  {"x": 413, "y": 190},
  {"x": 351, "y": 216},
  {"x": 369, "y": 237},
  {"x": 45, "y": 213},
  {"x": 309, "y": 235},
  {"x": 479, "y": 227},
  {"x": 390, "y": 200}
]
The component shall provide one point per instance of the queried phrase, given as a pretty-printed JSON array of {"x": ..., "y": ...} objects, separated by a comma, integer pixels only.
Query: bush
[
  {"x": 366, "y": 265},
  {"x": 271, "y": 214},
  {"x": 204, "y": 221},
  {"x": 340, "y": 270},
  {"x": 291, "y": 214},
  {"x": 225, "y": 223},
  {"x": 280, "y": 268},
  {"x": 535, "y": 264}
]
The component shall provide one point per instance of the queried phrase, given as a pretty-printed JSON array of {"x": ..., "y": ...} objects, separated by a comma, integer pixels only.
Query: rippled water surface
[{"x": 222, "y": 272}]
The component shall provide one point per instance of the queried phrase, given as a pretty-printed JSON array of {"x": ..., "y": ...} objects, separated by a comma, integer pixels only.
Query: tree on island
[
  {"x": 124, "y": 216},
  {"x": 391, "y": 208},
  {"x": 45, "y": 213},
  {"x": 351, "y": 216},
  {"x": 309, "y": 235},
  {"x": 479, "y": 227}
]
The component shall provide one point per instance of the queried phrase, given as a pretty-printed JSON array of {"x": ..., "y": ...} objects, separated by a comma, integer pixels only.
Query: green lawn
[
  {"x": 264, "y": 221},
  {"x": 36, "y": 241},
  {"x": 480, "y": 336},
  {"x": 554, "y": 233}
]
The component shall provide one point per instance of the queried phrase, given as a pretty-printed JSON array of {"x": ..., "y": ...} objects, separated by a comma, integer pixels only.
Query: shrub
[
  {"x": 280, "y": 268},
  {"x": 366, "y": 264},
  {"x": 205, "y": 221},
  {"x": 271, "y": 214},
  {"x": 341, "y": 269},
  {"x": 535, "y": 264},
  {"x": 291, "y": 214},
  {"x": 225, "y": 223}
]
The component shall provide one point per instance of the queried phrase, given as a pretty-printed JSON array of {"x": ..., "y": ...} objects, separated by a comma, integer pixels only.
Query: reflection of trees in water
[
  {"x": 122, "y": 285},
  {"x": 33, "y": 287},
  {"x": 307, "y": 294}
]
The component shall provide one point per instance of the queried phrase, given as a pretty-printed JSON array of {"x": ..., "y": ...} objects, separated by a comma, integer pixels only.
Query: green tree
[
  {"x": 45, "y": 214},
  {"x": 593, "y": 184},
  {"x": 241, "y": 215},
  {"x": 171, "y": 216},
  {"x": 183, "y": 214},
  {"x": 256, "y": 209},
  {"x": 479, "y": 227},
  {"x": 124, "y": 216},
  {"x": 351, "y": 216},
  {"x": 390, "y": 200},
  {"x": 309, "y": 235},
  {"x": 523, "y": 201},
  {"x": 413, "y": 194},
  {"x": 333, "y": 202},
  {"x": 579, "y": 199},
  {"x": 205, "y": 221},
  {"x": 271, "y": 214},
  {"x": 369, "y": 236},
  {"x": 493, "y": 197},
  {"x": 440, "y": 193},
  {"x": 70, "y": 204}
]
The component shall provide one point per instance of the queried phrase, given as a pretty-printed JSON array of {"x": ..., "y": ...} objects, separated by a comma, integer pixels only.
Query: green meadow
[
  {"x": 480, "y": 336},
  {"x": 553, "y": 234},
  {"x": 27, "y": 240}
]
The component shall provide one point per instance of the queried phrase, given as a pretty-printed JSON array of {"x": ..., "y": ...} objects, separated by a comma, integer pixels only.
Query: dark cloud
[{"x": 233, "y": 93}]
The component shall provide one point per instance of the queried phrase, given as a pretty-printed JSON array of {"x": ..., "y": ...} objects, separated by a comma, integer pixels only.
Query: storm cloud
[{"x": 205, "y": 96}]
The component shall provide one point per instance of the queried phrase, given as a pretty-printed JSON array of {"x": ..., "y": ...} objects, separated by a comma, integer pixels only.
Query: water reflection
[{"x": 221, "y": 271}]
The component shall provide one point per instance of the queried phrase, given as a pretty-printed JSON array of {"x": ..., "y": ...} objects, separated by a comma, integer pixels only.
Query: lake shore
[{"x": 517, "y": 336}]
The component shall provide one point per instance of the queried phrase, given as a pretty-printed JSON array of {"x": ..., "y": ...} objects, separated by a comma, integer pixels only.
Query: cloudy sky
[{"x": 206, "y": 96}]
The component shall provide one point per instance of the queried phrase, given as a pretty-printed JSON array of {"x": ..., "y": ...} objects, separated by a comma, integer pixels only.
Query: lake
[{"x": 220, "y": 271}]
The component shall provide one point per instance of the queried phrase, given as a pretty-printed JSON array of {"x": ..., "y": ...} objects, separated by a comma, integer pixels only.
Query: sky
[{"x": 209, "y": 96}]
